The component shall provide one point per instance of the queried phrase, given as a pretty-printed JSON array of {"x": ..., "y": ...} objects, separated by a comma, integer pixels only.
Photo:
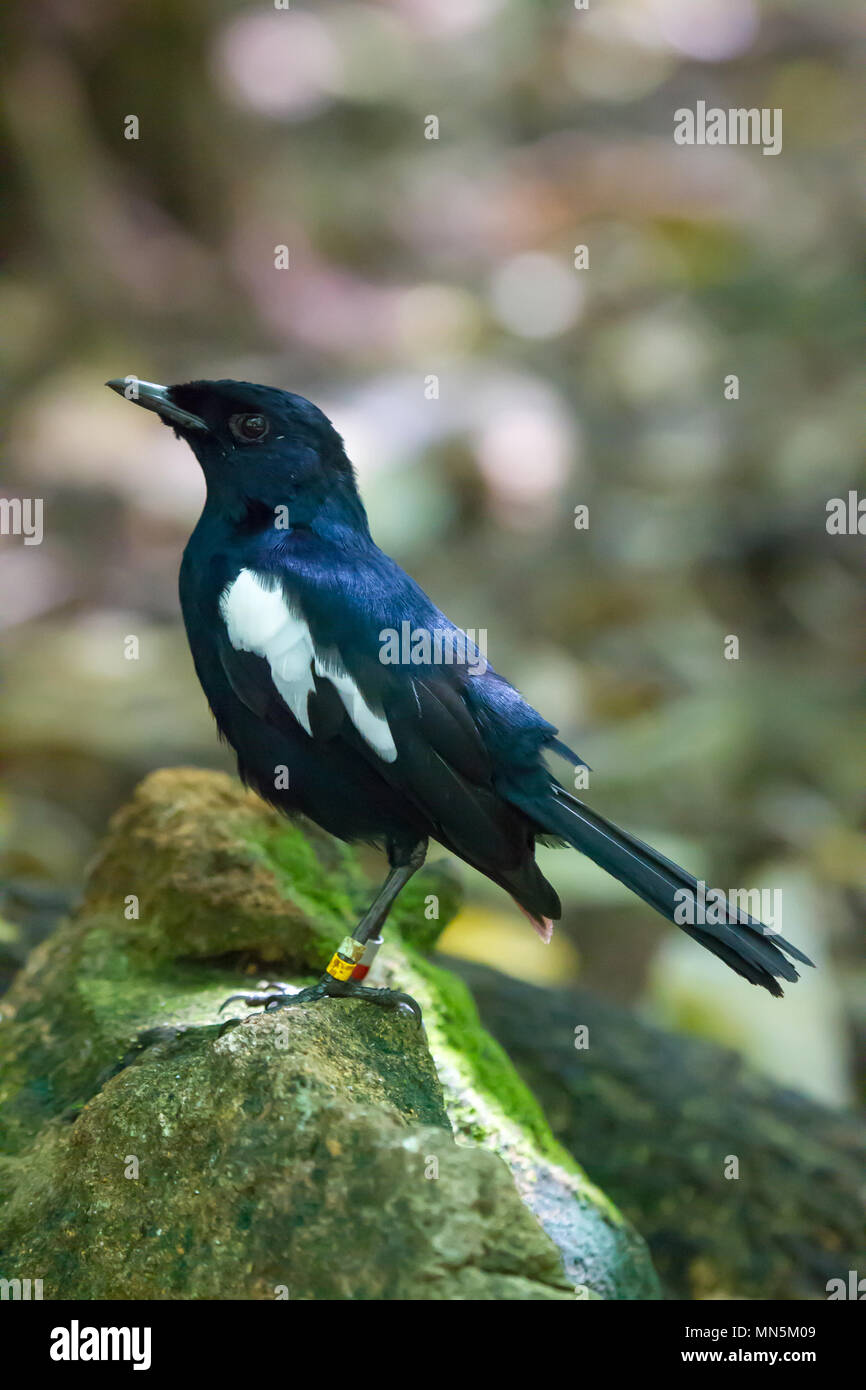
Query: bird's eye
[{"x": 248, "y": 428}]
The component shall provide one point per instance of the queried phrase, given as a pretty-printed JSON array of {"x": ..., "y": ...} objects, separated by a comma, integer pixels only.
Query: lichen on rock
[{"x": 327, "y": 1151}]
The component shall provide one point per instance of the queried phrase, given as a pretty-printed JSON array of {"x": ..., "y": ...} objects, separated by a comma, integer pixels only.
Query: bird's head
[{"x": 259, "y": 448}]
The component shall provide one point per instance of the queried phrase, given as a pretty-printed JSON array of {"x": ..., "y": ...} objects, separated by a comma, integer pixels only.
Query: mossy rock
[
  {"x": 658, "y": 1118},
  {"x": 328, "y": 1151}
]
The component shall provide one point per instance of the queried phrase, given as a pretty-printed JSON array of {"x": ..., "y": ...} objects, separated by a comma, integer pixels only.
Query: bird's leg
[{"x": 351, "y": 961}]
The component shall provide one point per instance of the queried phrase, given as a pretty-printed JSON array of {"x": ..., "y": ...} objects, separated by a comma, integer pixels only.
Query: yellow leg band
[
  {"x": 339, "y": 968},
  {"x": 344, "y": 960}
]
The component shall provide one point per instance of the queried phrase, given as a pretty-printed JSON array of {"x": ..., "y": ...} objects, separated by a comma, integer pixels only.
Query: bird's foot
[{"x": 281, "y": 996}]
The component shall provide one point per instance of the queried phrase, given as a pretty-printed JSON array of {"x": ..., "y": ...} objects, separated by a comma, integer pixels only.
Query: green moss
[
  {"x": 221, "y": 878},
  {"x": 434, "y": 890},
  {"x": 332, "y": 887},
  {"x": 301, "y": 876},
  {"x": 489, "y": 1065}
]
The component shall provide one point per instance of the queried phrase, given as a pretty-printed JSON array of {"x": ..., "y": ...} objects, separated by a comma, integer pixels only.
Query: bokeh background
[{"x": 454, "y": 258}]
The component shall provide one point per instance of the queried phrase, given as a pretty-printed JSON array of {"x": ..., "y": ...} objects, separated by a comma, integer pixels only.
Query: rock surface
[
  {"x": 658, "y": 1119},
  {"x": 328, "y": 1151}
]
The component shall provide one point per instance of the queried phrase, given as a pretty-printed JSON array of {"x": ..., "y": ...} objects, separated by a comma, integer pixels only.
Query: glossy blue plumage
[{"x": 468, "y": 770}]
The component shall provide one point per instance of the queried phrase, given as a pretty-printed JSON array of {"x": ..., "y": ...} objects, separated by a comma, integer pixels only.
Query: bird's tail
[{"x": 743, "y": 943}]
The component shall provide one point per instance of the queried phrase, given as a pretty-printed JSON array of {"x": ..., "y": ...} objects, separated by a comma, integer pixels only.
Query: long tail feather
[{"x": 743, "y": 943}]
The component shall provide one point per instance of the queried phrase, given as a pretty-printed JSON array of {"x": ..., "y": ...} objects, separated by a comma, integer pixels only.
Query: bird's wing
[
  {"x": 261, "y": 620},
  {"x": 316, "y": 660}
]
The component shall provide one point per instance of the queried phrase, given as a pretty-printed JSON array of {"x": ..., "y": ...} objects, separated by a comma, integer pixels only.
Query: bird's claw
[
  {"x": 281, "y": 996},
  {"x": 257, "y": 996},
  {"x": 385, "y": 998}
]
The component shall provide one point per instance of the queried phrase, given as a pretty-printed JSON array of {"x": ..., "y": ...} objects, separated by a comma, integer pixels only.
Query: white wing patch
[{"x": 259, "y": 620}]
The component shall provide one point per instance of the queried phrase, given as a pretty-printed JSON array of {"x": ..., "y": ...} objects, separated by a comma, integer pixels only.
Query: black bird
[{"x": 329, "y": 669}]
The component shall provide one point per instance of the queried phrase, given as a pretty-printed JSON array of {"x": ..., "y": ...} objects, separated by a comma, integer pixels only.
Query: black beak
[{"x": 157, "y": 398}]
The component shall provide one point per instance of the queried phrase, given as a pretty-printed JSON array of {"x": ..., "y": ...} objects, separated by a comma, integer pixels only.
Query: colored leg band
[
  {"x": 363, "y": 968},
  {"x": 344, "y": 960}
]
